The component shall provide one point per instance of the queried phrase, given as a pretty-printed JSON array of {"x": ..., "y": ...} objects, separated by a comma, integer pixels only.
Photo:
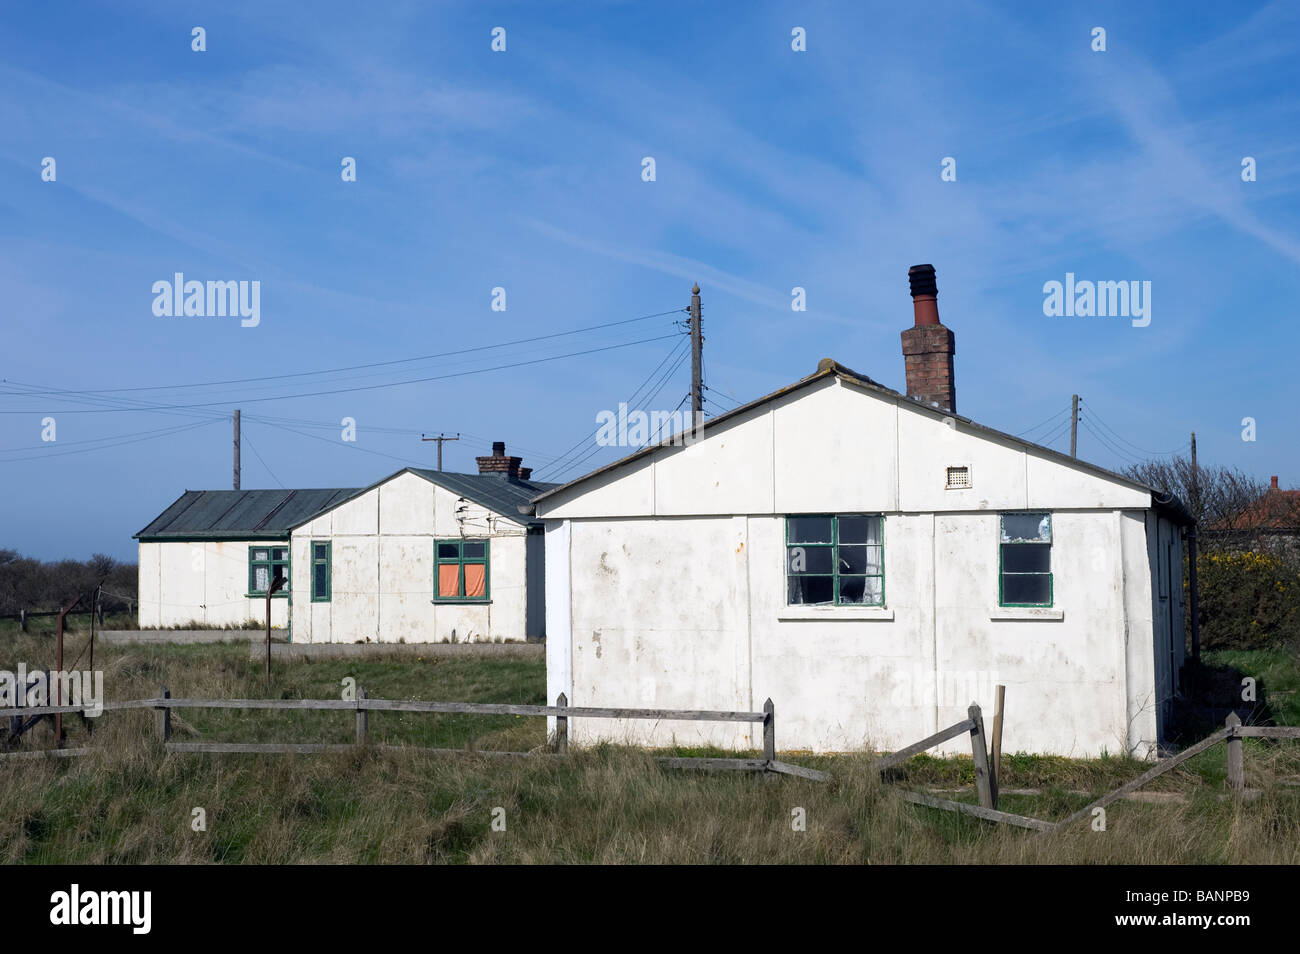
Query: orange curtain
[
  {"x": 448, "y": 579},
  {"x": 475, "y": 579}
]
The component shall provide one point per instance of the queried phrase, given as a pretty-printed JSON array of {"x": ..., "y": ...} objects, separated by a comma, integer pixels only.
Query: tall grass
[{"x": 131, "y": 802}]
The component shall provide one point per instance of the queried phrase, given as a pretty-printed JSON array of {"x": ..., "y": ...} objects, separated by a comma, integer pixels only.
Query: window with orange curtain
[{"x": 462, "y": 571}]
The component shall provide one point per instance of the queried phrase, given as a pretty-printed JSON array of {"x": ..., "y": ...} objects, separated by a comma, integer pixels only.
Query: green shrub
[{"x": 1248, "y": 600}]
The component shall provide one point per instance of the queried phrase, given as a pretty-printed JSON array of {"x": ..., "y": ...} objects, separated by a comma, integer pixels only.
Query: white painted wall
[
  {"x": 205, "y": 583},
  {"x": 383, "y": 564},
  {"x": 666, "y": 588}
]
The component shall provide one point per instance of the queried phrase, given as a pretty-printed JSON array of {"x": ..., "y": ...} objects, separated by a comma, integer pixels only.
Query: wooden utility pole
[
  {"x": 1195, "y": 609},
  {"x": 1074, "y": 426},
  {"x": 440, "y": 438},
  {"x": 236, "y": 448},
  {"x": 697, "y": 359}
]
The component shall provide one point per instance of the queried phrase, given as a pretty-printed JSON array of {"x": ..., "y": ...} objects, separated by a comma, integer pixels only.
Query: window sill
[
  {"x": 452, "y": 601},
  {"x": 1026, "y": 613},
  {"x": 835, "y": 613}
]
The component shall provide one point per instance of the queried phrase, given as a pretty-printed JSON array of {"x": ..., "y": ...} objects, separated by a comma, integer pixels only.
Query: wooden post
[
  {"x": 979, "y": 752},
  {"x": 562, "y": 726},
  {"x": 1236, "y": 765},
  {"x": 769, "y": 732},
  {"x": 268, "y": 633},
  {"x": 1074, "y": 426},
  {"x": 995, "y": 772},
  {"x": 22, "y": 621},
  {"x": 164, "y": 717},
  {"x": 363, "y": 718},
  {"x": 95, "y": 605}
]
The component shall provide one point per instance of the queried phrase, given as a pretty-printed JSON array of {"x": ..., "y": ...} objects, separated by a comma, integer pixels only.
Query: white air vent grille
[{"x": 958, "y": 478}]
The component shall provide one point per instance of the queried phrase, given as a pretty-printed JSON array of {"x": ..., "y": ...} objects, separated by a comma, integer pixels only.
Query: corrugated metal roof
[
  {"x": 496, "y": 492},
  {"x": 271, "y": 514},
  {"x": 242, "y": 514}
]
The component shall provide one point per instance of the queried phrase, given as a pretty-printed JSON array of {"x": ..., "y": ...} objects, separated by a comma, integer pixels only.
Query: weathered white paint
[
  {"x": 382, "y": 576},
  {"x": 382, "y": 573},
  {"x": 674, "y": 595},
  {"x": 204, "y": 583}
]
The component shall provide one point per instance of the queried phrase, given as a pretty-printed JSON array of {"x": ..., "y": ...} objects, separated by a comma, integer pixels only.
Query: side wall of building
[
  {"x": 673, "y": 591},
  {"x": 382, "y": 569},
  {"x": 203, "y": 582}
]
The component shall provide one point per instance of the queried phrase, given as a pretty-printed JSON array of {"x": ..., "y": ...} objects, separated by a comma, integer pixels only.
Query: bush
[{"x": 1248, "y": 600}]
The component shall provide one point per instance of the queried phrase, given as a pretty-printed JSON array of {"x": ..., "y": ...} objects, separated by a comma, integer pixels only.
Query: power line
[
  {"x": 1126, "y": 456},
  {"x": 362, "y": 367},
  {"x": 249, "y": 441},
  {"x": 367, "y": 387},
  {"x": 663, "y": 381},
  {"x": 555, "y": 464},
  {"x": 85, "y": 450},
  {"x": 1027, "y": 430},
  {"x": 1142, "y": 450}
]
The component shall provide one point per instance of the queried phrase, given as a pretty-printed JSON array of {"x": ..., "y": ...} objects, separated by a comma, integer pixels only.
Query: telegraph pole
[
  {"x": 697, "y": 359},
  {"x": 1074, "y": 427},
  {"x": 440, "y": 438},
  {"x": 236, "y": 448},
  {"x": 1191, "y": 568}
]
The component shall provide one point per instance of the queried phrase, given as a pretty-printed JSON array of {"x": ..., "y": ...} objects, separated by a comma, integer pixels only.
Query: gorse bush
[{"x": 1248, "y": 600}]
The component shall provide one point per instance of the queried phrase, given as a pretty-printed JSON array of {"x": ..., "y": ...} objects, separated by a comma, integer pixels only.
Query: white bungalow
[
  {"x": 420, "y": 556},
  {"x": 873, "y": 562}
]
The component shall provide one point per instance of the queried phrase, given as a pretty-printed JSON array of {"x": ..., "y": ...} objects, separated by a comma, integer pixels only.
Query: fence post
[
  {"x": 1236, "y": 765},
  {"x": 995, "y": 768},
  {"x": 363, "y": 718},
  {"x": 164, "y": 717},
  {"x": 769, "y": 732},
  {"x": 562, "y": 726},
  {"x": 22, "y": 621},
  {"x": 979, "y": 751}
]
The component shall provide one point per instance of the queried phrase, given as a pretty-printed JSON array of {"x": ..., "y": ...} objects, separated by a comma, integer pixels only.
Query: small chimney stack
[
  {"x": 499, "y": 463},
  {"x": 1274, "y": 483},
  {"x": 928, "y": 347}
]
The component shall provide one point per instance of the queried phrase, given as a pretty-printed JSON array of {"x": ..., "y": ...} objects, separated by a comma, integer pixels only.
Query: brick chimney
[
  {"x": 1274, "y": 484},
  {"x": 928, "y": 347},
  {"x": 499, "y": 463}
]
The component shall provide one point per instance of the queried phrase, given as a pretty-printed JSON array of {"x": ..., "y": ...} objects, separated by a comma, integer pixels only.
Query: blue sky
[{"x": 522, "y": 170}]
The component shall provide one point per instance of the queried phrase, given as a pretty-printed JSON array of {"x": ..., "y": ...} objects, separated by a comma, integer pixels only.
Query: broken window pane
[
  {"x": 1026, "y": 526},
  {"x": 812, "y": 589},
  {"x": 810, "y": 530},
  {"x": 809, "y": 560}
]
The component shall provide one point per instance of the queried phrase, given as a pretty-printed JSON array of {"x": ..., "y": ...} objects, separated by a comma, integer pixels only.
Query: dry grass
[{"x": 132, "y": 803}]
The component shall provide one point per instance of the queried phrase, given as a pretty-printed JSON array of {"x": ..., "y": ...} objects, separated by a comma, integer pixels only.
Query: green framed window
[
  {"x": 265, "y": 563},
  {"x": 320, "y": 571},
  {"x": 1025, "y": 559},
  {"x": 461, "y": 571},
  {"x": 835, "y": 560}
]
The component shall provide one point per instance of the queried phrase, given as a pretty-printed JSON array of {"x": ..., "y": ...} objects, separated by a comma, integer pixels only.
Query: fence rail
[
  {"x": 986, "y": 771},
  {"x": 362, "y": 705}
]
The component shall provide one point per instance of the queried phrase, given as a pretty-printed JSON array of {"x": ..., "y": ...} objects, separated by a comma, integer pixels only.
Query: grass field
[{"x": 132, "y": 803}]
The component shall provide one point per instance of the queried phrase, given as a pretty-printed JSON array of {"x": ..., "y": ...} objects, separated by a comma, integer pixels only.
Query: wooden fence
[
  {"x": 363, "y": 705},
  {"x": 986, "y": 771}
]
